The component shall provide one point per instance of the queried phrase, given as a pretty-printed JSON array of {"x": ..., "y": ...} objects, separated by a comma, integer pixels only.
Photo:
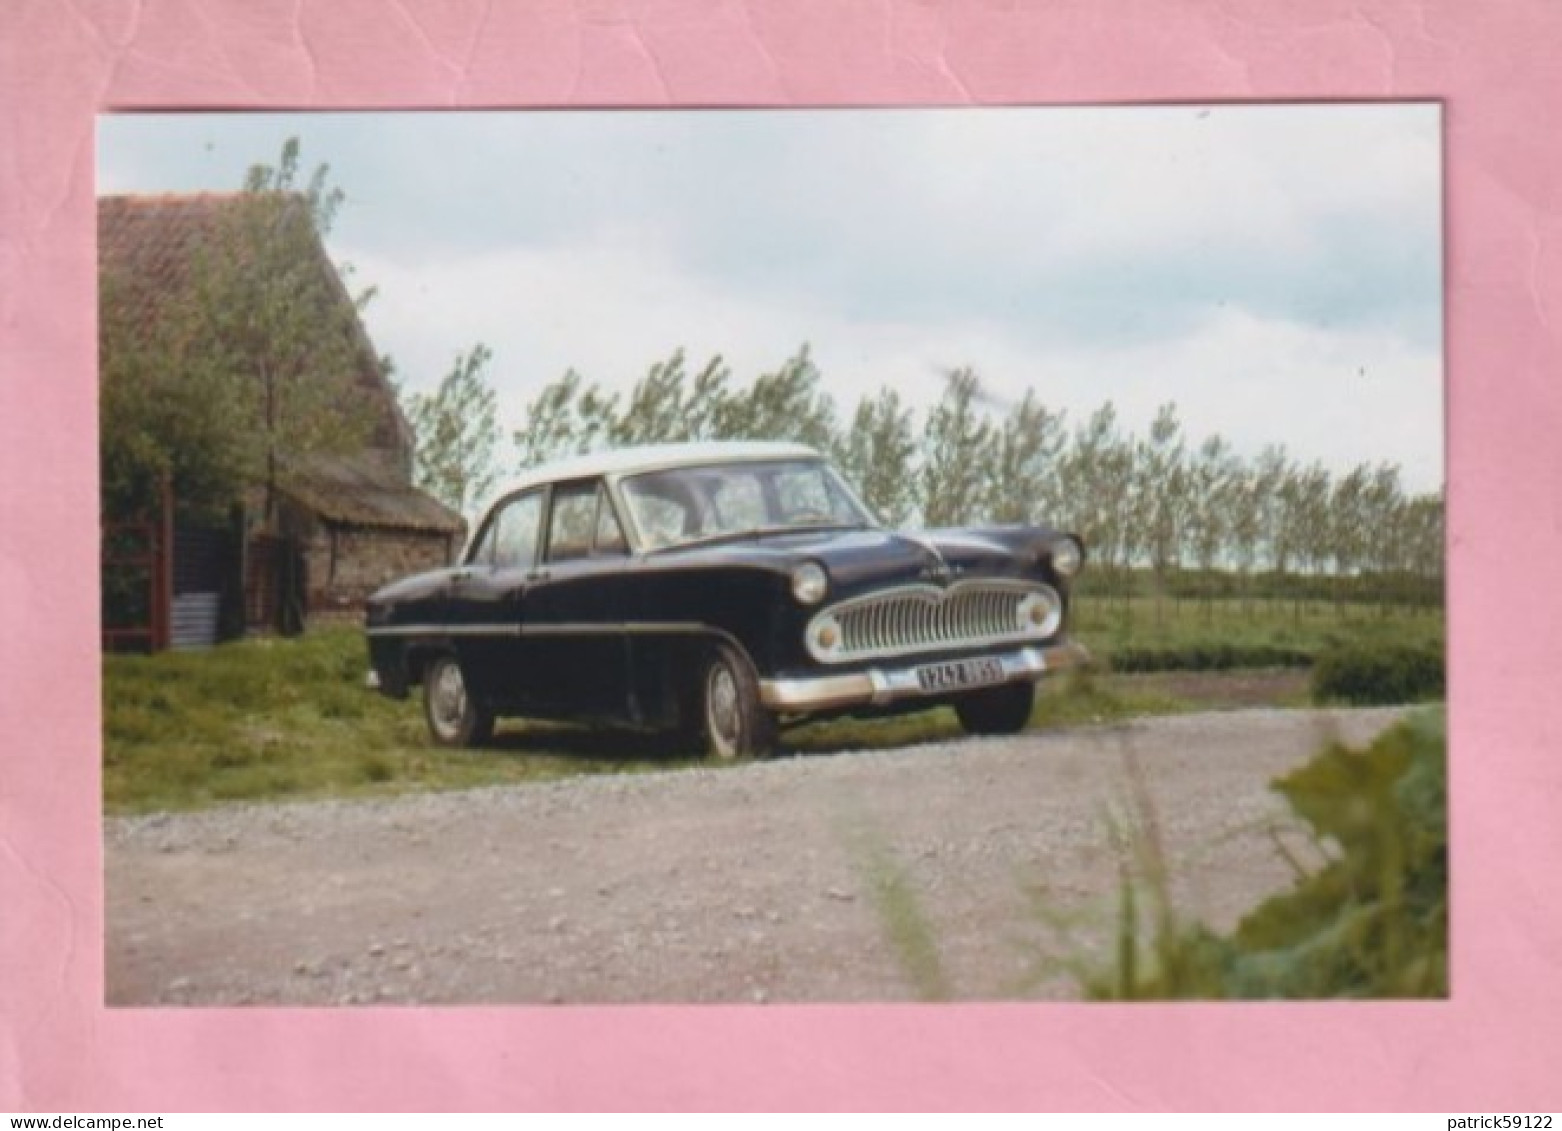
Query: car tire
[
  {"x": 733, "y": 724},
  {"x": 455, "y": 718},
  {"x": 997, "y": 710}
]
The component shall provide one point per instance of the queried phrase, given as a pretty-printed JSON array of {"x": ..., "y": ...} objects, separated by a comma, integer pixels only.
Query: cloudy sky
[{"x": 1274, "y": 270}]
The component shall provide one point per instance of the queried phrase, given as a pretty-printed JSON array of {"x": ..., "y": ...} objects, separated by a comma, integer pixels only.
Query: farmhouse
[{"x": 342, "y": 522}]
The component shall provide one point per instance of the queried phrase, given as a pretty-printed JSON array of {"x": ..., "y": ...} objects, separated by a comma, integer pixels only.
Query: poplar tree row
[{"x": 1162, "y": 510}]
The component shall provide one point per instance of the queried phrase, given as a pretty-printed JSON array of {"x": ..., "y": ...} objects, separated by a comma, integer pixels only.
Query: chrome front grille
[{"x": 925, "y": 618}]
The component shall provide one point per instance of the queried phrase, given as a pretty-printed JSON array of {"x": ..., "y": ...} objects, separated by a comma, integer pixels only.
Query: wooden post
[{"x": 163, "y": 568}]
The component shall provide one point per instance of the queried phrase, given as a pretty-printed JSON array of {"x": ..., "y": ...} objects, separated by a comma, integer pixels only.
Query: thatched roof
[{"x": 356, "y": 491}]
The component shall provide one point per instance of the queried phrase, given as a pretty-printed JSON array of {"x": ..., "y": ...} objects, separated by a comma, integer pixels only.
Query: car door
[
  {"x": 575, "y": 615},
  {"x": 488, "y": 605}
]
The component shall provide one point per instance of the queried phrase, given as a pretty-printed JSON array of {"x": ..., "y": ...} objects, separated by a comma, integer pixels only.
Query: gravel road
[{"x": 978, "y": 869}]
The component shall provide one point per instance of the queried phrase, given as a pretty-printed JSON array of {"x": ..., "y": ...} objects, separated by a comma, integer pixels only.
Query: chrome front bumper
[{"x": 879, "y": 687}]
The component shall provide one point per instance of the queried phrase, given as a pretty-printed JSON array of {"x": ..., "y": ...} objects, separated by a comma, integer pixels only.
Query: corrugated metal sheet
[{"x": 194, "y": 620}]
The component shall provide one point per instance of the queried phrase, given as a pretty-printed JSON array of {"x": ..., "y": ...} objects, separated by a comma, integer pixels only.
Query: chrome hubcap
[
  {"x": 449, "y": 699},
  {"x": 721, "y": 701}
]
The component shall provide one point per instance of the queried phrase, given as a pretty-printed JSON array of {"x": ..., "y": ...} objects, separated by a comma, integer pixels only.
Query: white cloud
[
  {"x": 1272, "y": 269},
  {"x": 610, "y": 308}
]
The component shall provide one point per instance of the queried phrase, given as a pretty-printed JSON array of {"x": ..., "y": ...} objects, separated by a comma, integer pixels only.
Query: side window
[
  {"x": 512, "y": 539},
  {"x": 573, "y": 522},
  {"x": 610, "y": 536}
]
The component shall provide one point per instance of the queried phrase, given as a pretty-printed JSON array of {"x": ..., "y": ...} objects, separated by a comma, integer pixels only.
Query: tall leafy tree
[
  {"x": 457, "y": 430},
  {"x": 1424, "y": 534},
  {"x": 657, "y": 409},
  {"x": 1309, "y": 512},
  {"x": 955, "y": 454},
  {"x": 276, "y": 314},
  {"x": 878, "y": 455},
  {"x": 166, "y": 409},
  {"x": 252, "y": 358},
  {"x": 567, "y": 417},
  {"x": 1270, "y": 475},
  {"x": 1099, "y": 469},
  {"x": 787, "y": 404},
  {"x": 1024, "y": 463},
  {"x": 1216, "y": 483},
  {"x": 1383, "y": 528},
  {"x": 1348, "y": 527},
  {"x": 1163, "y": 493}
]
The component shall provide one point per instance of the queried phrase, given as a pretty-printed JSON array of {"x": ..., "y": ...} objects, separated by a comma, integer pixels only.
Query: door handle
[{"x": 539, "y": 575}]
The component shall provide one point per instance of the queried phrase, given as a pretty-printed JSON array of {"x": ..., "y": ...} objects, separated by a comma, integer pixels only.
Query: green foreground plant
[{"x": 1370, "y": 923}]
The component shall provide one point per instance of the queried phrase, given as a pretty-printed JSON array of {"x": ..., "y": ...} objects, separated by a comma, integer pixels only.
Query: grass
[
  {"x": 264, "y": 719},
  {"x": 895, "y": 901},
  {"x": 1112, "y": 627}
]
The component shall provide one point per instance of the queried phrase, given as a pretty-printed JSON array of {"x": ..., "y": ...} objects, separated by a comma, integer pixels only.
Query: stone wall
[{"x": 346, "y": 564}]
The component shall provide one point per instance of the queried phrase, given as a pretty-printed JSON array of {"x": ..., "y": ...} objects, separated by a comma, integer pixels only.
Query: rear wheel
[
  {"x": 997, "y": 710},
  {"x": 454, "y": 717},
  {"x": 733, "y": 723}
]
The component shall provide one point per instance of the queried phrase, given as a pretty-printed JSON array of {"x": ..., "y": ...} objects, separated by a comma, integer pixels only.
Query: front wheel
[
  {"x": 733, "y": 722},
  {"x": 997, "y": 710},
  {"x": 454, "y": 717}
]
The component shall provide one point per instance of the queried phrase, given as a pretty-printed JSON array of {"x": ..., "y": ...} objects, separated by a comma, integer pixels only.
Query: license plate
[{"x": 955, "y": 674}]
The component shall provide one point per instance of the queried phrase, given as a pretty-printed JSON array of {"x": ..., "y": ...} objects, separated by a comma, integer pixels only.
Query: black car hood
[{"x": 857, "y": 559}]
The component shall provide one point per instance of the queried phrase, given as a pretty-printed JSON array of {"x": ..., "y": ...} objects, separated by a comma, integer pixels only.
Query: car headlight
[
  {"x": 1067, "y": 556},
  {"x": 809, "y": 583}
]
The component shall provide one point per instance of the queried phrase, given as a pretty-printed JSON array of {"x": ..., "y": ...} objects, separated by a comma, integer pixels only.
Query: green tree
[
  {"x": 567, "y": 417},
  {"x": 878, "y": 455},
  {"x": 1423, "y": 545},
  {"x": 788, "y": 404},
  {"x": 457, "y": 430},
  {"x": 1216, "y": 481},
  {"x": 1163, "y": 491},
  {"x": 657, "y": 411},
  {"x": 1024, "y": 464},
  {"x": 1383, "y": 523},
  {"x": 953, "y": 476},
  {"x": 248, "y": 362},
  {"x": 165, "y": 409},
  {"x": 1305, "y": 500},
  {"x": 1099, "y": 471},
  {"x": 271, "y": 310},
  {"x": 1349, "y": 528}
]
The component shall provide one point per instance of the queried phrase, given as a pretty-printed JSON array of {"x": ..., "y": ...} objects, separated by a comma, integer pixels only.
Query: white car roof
[{"x": 655, "y": 457}]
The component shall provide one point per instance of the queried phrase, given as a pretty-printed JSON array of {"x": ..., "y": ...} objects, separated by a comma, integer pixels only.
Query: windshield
[{"x": 705, "y": 504}]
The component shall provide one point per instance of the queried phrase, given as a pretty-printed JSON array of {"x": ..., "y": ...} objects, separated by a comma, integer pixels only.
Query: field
[{"x": 277, "y": 718}]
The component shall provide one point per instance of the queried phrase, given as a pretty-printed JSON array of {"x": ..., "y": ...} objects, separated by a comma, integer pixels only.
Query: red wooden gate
[{"x": 138, "y": 579}]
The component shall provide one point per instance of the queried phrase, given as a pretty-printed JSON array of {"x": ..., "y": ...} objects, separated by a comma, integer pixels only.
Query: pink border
[{"x": 1499, "y": 1040}]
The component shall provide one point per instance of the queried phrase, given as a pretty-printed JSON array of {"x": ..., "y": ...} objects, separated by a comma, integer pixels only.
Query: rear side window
[{"x": 583, "y": 524}]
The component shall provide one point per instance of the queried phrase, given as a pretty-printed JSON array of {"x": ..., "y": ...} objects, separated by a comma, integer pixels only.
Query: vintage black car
[{"x": 727, "y": 589}]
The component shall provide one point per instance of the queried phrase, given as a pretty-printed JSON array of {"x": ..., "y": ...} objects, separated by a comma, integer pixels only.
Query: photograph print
[{"x": 773, "y": 556}]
